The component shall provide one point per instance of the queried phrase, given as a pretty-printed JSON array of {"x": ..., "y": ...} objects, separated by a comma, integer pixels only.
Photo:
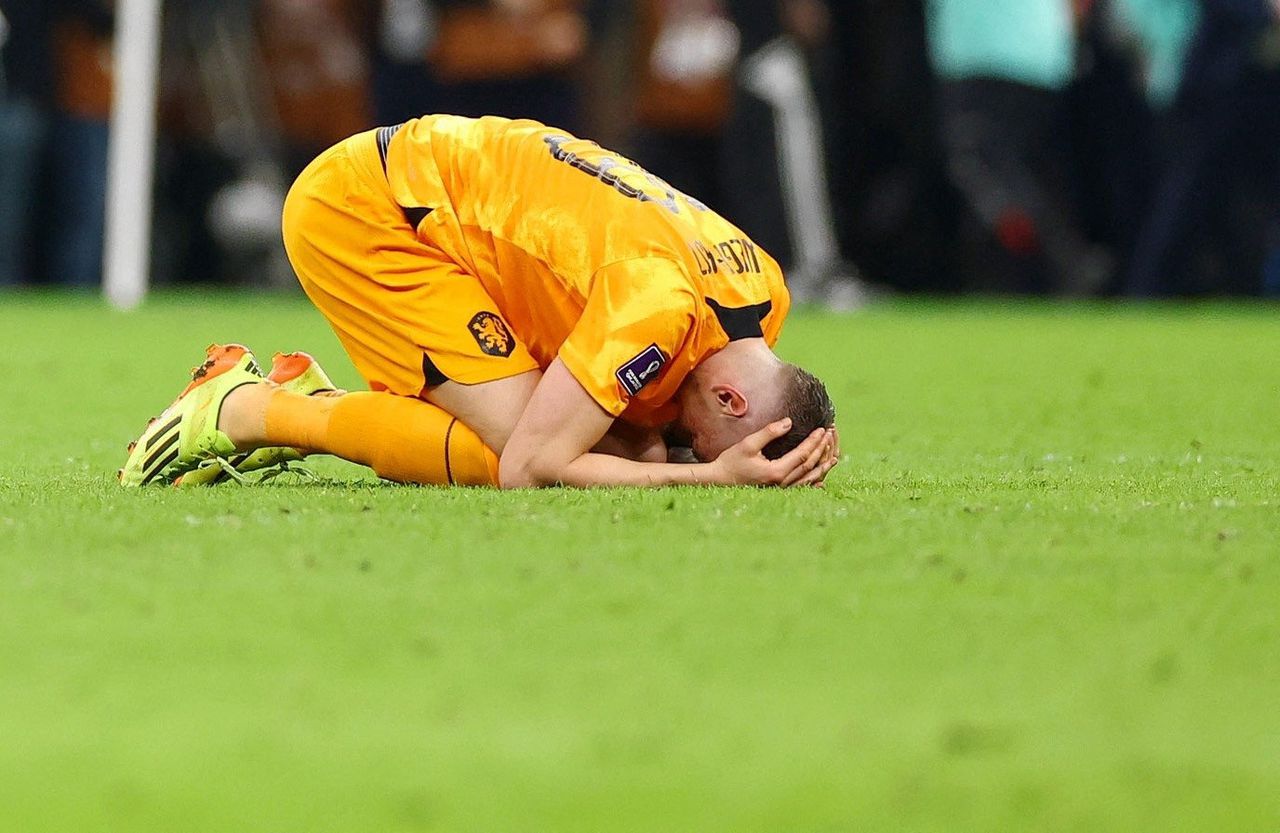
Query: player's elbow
[
  {"x": 512, "y": 476},
  {"x": 525, "y": 471}
]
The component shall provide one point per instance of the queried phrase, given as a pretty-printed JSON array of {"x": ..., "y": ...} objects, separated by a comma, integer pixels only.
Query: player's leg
[
  {"x": 491, "y": 409},
  {"x": 402, "y": 438},
  {"x": 412, "y": 322},
  {"x": 210, "y": 430},
  {"x": 296, "y": 372},
  {"x": 360, "y": 262},
  {"x": 454, "y": 438}
]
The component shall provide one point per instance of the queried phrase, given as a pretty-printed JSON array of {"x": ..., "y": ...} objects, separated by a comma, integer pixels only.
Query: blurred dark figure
[
  {"x": 1111, "y": 121},
  {"x": 56, "y": 105},
  {"x": 252, "y": 91},
  {"x": 893, "y": 198},
  {"x": 775, "y": 163},
  {"x": 26, "y": 94},
  {"x": 400, "y": 33},
  {"x": 512, "y": 58},
  {"x": 82, "y": 41},
  {"x": 314, "y": 55},
  {"x": 685, "y": 63},
  {"x": 1205, "y": 230},
  {"x": 1005, "y": 66}
]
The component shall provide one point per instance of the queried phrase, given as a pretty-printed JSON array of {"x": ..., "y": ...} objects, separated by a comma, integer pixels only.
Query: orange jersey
[{"x": 587, "y": 258}]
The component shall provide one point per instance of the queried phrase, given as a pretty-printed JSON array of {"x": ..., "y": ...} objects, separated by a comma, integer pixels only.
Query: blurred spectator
[
  {"x": 253, "y": 90},
  {"x": 401, "y": 34},
  {"x": 25, "y": 97},
  {"x": 1158, "y": 34},
  {"x": 480, "y": 57},
  {"x": 1205, "y": 230},
  {"x": 1005, "y": 66},
  {"x": 56, "y": 101},
  {"x": 893, "y": 197},
  {"x": 689, "y": 50},
  {"x": 82, "y": 37},
  {"x": 314, "y": 56},
  {"x": 726, "y": 109},
  {"x": 1110, "y": 122},
  {"x": 775, "y": 161},
  {"x": 1066, "y": 146}
]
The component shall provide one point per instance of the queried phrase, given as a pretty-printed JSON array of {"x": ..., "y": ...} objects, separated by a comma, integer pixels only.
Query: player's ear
[{"x": 730, "y": 400}]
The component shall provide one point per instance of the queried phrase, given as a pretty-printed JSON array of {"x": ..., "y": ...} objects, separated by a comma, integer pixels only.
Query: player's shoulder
[{"x": 655, "y": 274}]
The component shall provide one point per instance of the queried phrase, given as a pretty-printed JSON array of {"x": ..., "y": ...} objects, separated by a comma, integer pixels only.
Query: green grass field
[{"x": 1041, "y": 593}]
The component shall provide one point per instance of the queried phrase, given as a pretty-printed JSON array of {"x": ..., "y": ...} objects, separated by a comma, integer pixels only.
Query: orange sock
[{"x": 399, "y": 437}]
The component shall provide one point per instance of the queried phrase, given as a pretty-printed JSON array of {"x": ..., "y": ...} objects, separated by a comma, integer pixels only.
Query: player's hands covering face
[{"x": 806, "y": 465}]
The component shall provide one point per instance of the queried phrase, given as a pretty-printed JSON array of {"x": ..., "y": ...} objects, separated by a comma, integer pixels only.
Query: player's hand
[
  {"x": 822, "y": 460},
  {"x": 833, "y": 455},
  {"x": 745, "y": 464}
]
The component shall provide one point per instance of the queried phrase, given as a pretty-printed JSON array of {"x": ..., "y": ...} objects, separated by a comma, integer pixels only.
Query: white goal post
[{"x": 126, "y": 258}]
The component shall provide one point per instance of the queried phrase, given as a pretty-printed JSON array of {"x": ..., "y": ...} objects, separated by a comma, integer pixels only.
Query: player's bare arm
[
  {"x": 553, "y": 441},
  {"x": 492, "y": 410},
  {"x": 633, "y": 442}
]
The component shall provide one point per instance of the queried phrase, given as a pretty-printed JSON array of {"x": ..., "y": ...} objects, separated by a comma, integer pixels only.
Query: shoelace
[
  {"x": 271, "y": 473},
  {"x": 265, "y": 475}
]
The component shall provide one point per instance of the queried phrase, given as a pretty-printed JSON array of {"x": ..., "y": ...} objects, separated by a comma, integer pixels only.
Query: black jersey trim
[
  {"x": 741, "y": 322},
  {"x": 415, "y": 215},
  {"x": 431, "y": 374},
  {"x": 384, "y": 142}
]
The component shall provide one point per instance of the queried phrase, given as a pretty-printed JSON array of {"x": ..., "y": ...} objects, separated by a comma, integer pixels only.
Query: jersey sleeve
[
  {"x": 638, "y": 315},
  {"x": 781, "y": 302}
]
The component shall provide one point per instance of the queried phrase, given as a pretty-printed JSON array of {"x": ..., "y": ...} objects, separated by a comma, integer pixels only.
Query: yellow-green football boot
[
  {"x": 297, "y": 372},
  {"x": 186, "y": 434}
]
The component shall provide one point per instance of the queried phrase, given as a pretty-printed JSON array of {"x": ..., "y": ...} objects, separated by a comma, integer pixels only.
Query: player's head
[{"x": 725, "y": 399}]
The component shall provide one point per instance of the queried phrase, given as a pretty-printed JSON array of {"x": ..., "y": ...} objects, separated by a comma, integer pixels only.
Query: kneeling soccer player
[{"x": 528, "y": 309}]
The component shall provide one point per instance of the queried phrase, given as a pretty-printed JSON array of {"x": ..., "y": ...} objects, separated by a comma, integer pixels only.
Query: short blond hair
[{"x": 806, "y": 401}]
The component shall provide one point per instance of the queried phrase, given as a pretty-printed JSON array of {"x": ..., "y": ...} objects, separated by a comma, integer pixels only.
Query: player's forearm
[
  {"x": 606, "y": 470},
  {"x": 633, "y": 444}
]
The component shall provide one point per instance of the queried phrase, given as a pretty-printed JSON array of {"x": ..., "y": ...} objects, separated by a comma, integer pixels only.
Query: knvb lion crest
[{"x": 491, "y": 333}]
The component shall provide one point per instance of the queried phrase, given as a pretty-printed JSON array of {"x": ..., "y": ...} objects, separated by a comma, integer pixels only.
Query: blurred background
[{"x": 1059, "y": 147}]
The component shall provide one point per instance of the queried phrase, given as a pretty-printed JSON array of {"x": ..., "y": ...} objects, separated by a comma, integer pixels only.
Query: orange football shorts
[{"x": 409, "y": 316}]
